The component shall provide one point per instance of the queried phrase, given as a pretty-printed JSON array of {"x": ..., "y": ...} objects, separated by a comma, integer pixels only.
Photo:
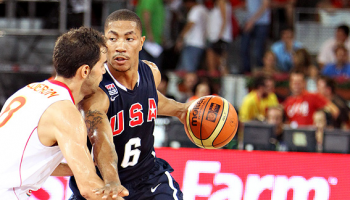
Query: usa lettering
[{"x": 136, "y": 116}]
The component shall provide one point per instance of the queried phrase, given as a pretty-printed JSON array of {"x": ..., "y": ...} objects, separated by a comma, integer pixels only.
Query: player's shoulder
[{"x": 155, "y": 71}]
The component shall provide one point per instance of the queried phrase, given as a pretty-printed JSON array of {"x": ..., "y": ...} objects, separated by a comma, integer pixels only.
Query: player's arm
[
  {"x": 62, "y": 169},
  {"x": 166, "y": 106},
  {"x": 61, "y": 123},
  {"x": 99, "y": 131}
]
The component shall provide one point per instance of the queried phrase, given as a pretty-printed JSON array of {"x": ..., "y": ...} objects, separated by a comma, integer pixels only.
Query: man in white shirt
[
  {"x": 326, "y": 54},
  {"x": 192, "y": 37}
]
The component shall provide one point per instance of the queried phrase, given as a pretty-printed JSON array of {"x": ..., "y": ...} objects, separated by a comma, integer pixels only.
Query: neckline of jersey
[
  {"x": 59, "y": 83},
  {"x": 119, "y": 84}
]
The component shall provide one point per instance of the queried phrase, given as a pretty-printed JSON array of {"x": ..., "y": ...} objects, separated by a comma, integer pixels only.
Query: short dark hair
[
  {"x": 329, "y": 83},
  {"x": 259, "y": 81},
  {"x": 340, "y": 47},
  {"x": 298, "y": 71},
  {"x": 75, "y": 48},
  {"x": 344, "y": 28},
  {"x": 124, "y": 15}
]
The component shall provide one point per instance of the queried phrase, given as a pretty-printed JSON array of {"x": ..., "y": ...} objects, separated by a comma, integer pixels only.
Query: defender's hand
[{"x": 112, "y": 189}]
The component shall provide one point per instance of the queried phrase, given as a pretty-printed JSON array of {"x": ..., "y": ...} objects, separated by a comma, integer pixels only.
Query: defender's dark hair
[
  {"x": 124, "y": 15},
  {"x": 344, "y": 28},
  {"x": 76, "y": 48}
]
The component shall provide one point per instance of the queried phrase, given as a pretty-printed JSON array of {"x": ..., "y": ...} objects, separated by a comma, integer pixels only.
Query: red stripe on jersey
[
  {"x": 20, "y": 165},
  {"x": 15, "y": 193},
  {"x": 63, "y": 85}
]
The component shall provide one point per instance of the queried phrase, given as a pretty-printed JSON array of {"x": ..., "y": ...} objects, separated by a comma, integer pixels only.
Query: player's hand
[
  {"x": 183, "y": 115},
  {"x": 112, "y": 189}
]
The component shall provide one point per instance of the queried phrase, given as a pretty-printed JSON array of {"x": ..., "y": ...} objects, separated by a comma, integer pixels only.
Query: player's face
[
  {"x": 95, "y": 77},
  {"x": 124, "y": 43}
]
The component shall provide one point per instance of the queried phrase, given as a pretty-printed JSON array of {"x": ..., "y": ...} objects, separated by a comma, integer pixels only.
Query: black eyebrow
[{"x": 130, "y": 33}]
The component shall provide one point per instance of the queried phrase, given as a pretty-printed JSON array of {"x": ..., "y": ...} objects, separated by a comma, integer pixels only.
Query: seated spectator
[
  {"x": 201, "y": 89},
  {"x": 326, "y": 87},
  {"x": 284, "y": 48},
  {"x": 341, "y": 66},
  {"x": 269, "y": 65},
  {"x": 274, "y": 116},
  {"x": 187, "y": 85},
  {"x": 257, "y": 101},
  {"x": 192, "y": 38},
  {"x": 320, "y": 123},
  {"x": 326, "y": 54},
  {"x": 301, "y": 105},
  {"x": 302, "y": 62}
]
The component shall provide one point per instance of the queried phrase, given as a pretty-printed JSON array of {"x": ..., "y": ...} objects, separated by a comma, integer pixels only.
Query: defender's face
[
  {"x": 92, "y": 82},
  {"x": 124, "y": 43}
]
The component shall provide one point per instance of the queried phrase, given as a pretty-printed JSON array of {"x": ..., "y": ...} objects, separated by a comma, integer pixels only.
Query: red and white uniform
[
  {"x": 300, "y": 109},
  {"x": 25, "y": 162}
]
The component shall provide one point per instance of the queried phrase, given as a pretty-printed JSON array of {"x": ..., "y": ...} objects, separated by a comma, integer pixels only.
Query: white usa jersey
[{"x": 25, "y": 162}]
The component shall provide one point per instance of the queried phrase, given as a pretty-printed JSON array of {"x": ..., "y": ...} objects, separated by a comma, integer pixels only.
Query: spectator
[
  {"x": 192, "y": 37},
  {"x": 287, "y": 6},
  {"x": 269, "y": 64},
  {"x": 201, "y": 89},
  {"x": 256, "y": 27},
  {"x": 275, "y": 116},
  {"x": 326, "y": 87},
  {"x": 326, "y": 54},
  {"x": 301, "y": 105},
  {"x": 302, "y": 62},
  {"x": 341, "y": 67},
  {"x": 320, "y": 123},
  {"x": 257, "y": 101},
  {"x": 152, "y": 14},
  {"x": 219, "y": 36},
  {"x": 284, "y": 49},
  {"x": 187, "y": 85}
]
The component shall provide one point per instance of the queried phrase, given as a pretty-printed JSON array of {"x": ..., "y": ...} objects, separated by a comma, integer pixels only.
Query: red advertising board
[{"x": 241, "y": 175}]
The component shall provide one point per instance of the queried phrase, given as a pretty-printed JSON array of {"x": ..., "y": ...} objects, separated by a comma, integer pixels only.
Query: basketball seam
[
  {"x": 200, "y": 130},
  {"x": 234, "y": 130},
  {"x": 228, "y": 112}
]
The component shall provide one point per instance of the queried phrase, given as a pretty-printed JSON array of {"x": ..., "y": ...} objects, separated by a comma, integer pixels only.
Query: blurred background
[{"x": 283, "y": 64}]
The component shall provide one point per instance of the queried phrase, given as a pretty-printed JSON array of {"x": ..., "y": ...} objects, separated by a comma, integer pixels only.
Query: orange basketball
[{"x": 211, "y": 122}]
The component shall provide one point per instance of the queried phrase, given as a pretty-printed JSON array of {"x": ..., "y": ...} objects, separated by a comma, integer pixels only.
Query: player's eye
[
  {"x": 130, "y": 39},
  {"x": 112, "y": 39}
]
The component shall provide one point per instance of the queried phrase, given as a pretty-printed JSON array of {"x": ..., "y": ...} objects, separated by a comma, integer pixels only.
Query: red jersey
[{"x": 300, "y": 109}]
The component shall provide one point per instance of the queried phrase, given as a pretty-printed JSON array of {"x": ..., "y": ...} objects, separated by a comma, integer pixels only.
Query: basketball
[{"x": 211, "y": 122}]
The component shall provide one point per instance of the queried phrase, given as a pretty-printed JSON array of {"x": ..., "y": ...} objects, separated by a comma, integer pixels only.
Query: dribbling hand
[{"x": 114, "y": 190}]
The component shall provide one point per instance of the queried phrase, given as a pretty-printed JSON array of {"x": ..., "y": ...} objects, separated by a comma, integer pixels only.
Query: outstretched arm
[
  {"x": 61, "y": 123},
  {"x": 94, "y": 111}
]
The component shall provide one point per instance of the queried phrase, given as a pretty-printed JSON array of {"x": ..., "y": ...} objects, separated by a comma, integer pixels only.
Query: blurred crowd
[
  {"x": 194, "y": 39},
  {"x": 196, "y": 48}
]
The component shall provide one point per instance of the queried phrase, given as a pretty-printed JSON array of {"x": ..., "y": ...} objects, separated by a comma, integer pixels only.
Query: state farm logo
[{"x": 279, "y": 185}]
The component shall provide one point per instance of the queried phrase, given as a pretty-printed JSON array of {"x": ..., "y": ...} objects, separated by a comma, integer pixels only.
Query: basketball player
[
  {"x": 40, "y": 124},
  {"x": 129, "y": 103}
]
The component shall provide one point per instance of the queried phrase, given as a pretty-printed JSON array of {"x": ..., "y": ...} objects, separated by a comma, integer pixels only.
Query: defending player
[
  {"x": 129, "y": 103},
  {"x": 40, "y": 124}
]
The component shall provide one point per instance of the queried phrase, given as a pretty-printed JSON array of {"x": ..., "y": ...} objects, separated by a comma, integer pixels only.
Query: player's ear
[
  {"x": 142, "y": 41},
  {"x": 84, "y": 71}
]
